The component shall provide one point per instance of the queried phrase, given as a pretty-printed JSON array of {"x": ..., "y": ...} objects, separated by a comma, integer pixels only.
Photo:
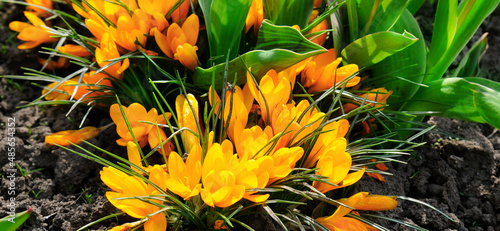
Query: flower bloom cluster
[
  {"x": 254, "y": 155},
  {"x": 251, "y": 141},
  {"x": 118, "y": 27}
]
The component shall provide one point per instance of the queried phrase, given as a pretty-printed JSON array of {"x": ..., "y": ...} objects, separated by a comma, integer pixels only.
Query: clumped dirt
[{"x": 459, "y": 176}]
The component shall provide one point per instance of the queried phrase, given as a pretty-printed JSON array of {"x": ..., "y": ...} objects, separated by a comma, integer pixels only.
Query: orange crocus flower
[
  {"x": 373, "y": 202},
  {"x": 65, "y": 138},
  {"x": 108, "y": 51},
  {"x": 142, "y": 124},
  {"x": 130, "y": 29},
  {"x": 152, "y": 7},
  {"x": 321, "y": 72},
  {"x": 181, "y": 12},
  {"x": 39, "y": 11},
  {"x": 62, "y": 92},
  {"x": 67, "y": 88},
  {"x": 54, "y": 65},
  {"x": 184, "y": 37},
  {"x": 255, "y": 16},
  {"x": 34, "y": 34},
  {"x": 186, "y": 54},
  {"x": 377, "y": 96},
  {"x": 110, "y": 9},
  {"x": 320, "y": 40},
  {"x": 75, "y": 50},
  {"x": 359, "y": 201},
  {"x": 96, "y": 24},
  {"x": 338, "y": 221}
]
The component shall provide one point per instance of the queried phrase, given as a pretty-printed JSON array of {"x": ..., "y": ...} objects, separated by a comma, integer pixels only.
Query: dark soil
[{"x": 460, "y": 177}]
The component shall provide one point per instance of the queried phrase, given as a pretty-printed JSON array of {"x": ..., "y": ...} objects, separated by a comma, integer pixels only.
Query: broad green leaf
[
  {"x": 415, "y": 5},
  {"x": 283, "y": 37},
  {"x": 445, "y": 25},
  {"x": 469, "y": 65},
  {"x": 11, "y": 223},
  {"x": 225, "y": 20},
  {"x": 472, "y": 99},
  {"x": 387, "y": 14},
  {"x": 404, "y": 71},
  {"x": 288, "y": 12},
  {"x": 374, "y": 48},
  {"x": 471, "y": 21},
  {"x": 259, "y": 60}
]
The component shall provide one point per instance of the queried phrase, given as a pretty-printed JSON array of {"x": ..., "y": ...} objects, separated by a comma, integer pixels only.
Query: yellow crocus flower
[
  {"x": 238, "y": 102},
  {"x": 124, "y": 185},
  {"x": 288, "y": 118},
  {"x": 335, "y": 164},
  {"x": 333, "y": 135},
  {"x": 226, "y": 178},
  {"x": 185, "y": 177},
  {"x": 250, "y": 141},
  {"x": 284, "y": 160},
  {"x": 274, "y": 91},
  {"x": 188, "y": 118}
]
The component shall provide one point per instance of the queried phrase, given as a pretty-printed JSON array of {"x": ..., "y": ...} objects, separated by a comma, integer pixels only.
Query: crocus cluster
[
  {"x": 225, "y": 150},
  {"x": 221, "y": 171},
  {"x": 118, "y": 27}
]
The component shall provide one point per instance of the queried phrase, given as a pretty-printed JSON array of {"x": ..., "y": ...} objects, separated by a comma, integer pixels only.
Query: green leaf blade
[
  {"x": 226, "y": 19},
  {"x": 374, "y": 48},
  {"x": 11, "y": 223},
  {"x": 470, "y": 24},
  {"x": 407, "y": 65},
  {"x": 288, "y": 12},
  {"x": 472, "y": 99},
  {"x": 445, "y": 26},
  {"x": 283, "y": 37},
  {"x": 388, "y": 13}
]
